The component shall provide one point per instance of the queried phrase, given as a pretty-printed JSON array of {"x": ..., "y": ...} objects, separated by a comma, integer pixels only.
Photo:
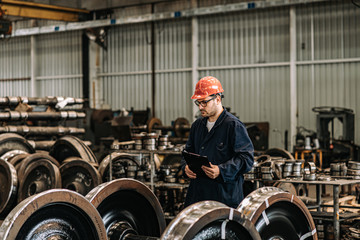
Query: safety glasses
[{"x": 204, "y": 103}]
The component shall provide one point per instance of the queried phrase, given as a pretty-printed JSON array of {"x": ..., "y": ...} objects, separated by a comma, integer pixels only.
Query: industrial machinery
[
  {"x": 126, "y": 209},
  {"x": 336, "y": 148}
]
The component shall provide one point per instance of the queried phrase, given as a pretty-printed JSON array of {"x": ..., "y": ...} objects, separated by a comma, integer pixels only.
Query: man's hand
[
  {"x": 212, "y": 172},
  {"x": 189, "y": 173}
]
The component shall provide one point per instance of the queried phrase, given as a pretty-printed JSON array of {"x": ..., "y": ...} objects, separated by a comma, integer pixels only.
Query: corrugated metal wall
[
  {"x": 173, "y": 66},
  {"x": 238, "y": 49},
  {"x": 248, "y": 51},
  {"x": 126, "y": 67},
  {"x": 15, "y": 66},
  {"x": 327, "y": 35},
  {"x": 59, "y": 70}
]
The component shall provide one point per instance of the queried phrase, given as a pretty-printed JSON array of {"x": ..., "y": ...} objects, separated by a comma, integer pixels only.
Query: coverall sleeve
[
  {"x": 188, "y": 147},
  {"x": 243, "y": 158}
]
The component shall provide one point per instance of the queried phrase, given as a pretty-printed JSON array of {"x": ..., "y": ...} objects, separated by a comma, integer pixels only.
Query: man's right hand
[{"x": 189, "y": 173}]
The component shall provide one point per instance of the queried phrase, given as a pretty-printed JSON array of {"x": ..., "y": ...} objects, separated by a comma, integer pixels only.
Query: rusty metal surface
[
  {"x": 131, "y": 201},
  {"x": 10, "y": 154},
  {"x": 17, "y": 115},
  {"x": 152, "y": 123},
  {"x": 41, "y": 131},
  {"x": 79, "y": 175},
  {"x": 278, "y": 213},
  {"x": 204, "y": 220},
  {"x": 25, "y": 163},
  {"x": 12, "y": 141},
  {"x": 182, "y": 127},
  {"x": 71, "y": 146},
  {"x": 8, "y": 187},
  {"x": 51, "y": 101},
  {"x": 16, "y": 160},
  {"x": 39, "y": 176},
  {"x": 54, "y": 214}
]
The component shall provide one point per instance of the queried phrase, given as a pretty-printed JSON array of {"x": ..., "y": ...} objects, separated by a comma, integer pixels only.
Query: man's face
[{"x": 210, "y": 109}]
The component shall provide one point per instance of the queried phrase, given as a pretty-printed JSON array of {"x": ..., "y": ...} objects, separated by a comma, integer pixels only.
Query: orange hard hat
[{"x": 207, "y": 86}]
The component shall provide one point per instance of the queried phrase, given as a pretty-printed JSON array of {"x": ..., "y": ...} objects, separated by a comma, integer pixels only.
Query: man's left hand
[{"x": 212, "y": 172}]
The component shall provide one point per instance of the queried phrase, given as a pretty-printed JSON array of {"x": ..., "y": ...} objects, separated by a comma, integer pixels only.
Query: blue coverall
[{"x": 228, "y": 146}]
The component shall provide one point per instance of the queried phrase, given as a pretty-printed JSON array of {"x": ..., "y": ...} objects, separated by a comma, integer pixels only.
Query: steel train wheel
[
  {"x": 153, "y": 122},
  {"x": 179, "y": 127},
  {"x": 39, "y": 176},
  {"x": 53, "y": 214},
  {"x": 278, "y": 215},
  {"x": 70, "y": 146},
  {"x": 10, "y": 154},
  {"x": 79, "y": 175},
  {"x": 35, "y": 157},
  {"x": 210, "y": 220},
  {"x": 128, "y": 202},
  {"x": 8, "y": 187},
  {"x": 12, "y": 141}
]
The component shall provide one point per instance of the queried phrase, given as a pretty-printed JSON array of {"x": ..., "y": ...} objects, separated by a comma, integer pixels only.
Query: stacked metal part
[
  {"x": 338, "y": 169},
  {"x": 17, "y": 112},
  {"x": 354, "y": 169},
  {"x": 163, "y": 142},
  {"x": 138, "y": 138},
  {"x": 116, "y": 210},
  {"x": 268, "y": 167},
  {"x": 310, "y": 171},
  {"x": 149, "y": 141}
]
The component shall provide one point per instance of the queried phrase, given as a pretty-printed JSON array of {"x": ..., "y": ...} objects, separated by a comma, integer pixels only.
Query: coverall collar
[{"x": 218, "y": 121}]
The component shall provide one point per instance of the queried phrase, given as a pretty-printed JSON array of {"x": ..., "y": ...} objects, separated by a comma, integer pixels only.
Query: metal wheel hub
[
  {"x": 56, "y": 214},
  {"x": 210, "y": 220},
  {"x": 130, "y": 201},
  {"x": 278, "y": 214}
]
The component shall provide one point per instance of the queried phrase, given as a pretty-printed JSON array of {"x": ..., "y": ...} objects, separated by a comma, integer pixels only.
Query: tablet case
[{"x": 195, "y": 161}]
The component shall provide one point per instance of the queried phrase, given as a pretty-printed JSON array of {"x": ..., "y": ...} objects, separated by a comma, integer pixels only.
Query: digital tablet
[{"x": 195, "y": 161}]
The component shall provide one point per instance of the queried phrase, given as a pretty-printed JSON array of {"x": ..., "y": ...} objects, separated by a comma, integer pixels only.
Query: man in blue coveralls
[{"x": 223, "y": 138}]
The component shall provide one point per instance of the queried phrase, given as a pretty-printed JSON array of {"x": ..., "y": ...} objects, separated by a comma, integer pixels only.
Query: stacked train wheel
[
  {"x": 24, "y": 172},
  {"x": 53, "y": 214},
  {"x": 210, "y": 220},
  {"x": 126, "y": 209},
  {"x": 277, "y": 214}
]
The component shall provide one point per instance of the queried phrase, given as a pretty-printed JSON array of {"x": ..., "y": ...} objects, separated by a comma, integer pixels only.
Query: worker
[{"x": 223, "y": 138}]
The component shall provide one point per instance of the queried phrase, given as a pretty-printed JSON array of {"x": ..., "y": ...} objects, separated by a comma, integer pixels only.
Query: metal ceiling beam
[
  {"x": 218, "y": 9},
  {"x": 42, "y": 11}
]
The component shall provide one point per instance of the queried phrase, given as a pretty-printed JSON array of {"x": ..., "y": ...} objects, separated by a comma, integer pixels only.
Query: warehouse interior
[{"x": 96, "y": 108}]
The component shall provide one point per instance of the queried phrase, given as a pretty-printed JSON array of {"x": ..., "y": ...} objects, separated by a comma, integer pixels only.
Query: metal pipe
[
  {"x": 14, "y": 101},
  {"x": 42, "y": 131},
  {"x": 17, "y": 115}
]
